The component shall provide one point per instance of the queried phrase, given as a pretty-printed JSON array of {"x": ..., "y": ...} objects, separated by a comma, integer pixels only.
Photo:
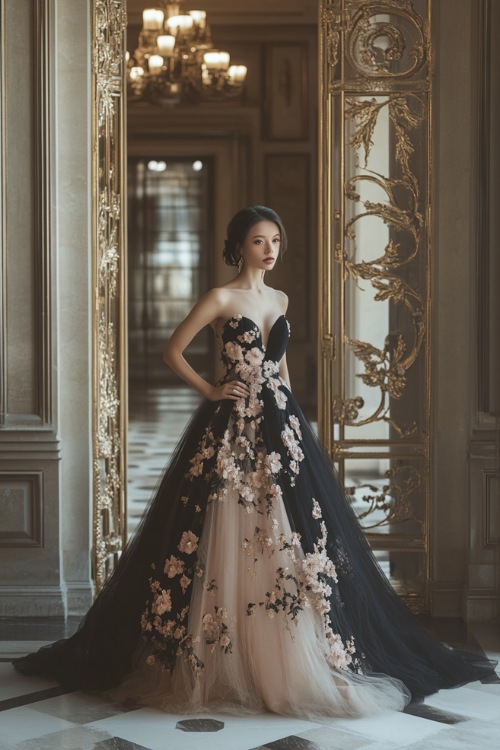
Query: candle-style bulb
[
  {"x": 136, "y": 72},
  {"x": 237, "y": 73},
  {"x": 166, "y": 44},
  {"x": 152, "y": 19},
  {"x": 155, "y": 64}
]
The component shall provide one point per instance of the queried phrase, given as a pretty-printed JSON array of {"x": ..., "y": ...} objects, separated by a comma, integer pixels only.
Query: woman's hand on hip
[{"x": 233, "y": 391}]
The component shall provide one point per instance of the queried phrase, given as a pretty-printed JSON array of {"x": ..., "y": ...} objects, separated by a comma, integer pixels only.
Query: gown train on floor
[{"x": 249, "y": 584}]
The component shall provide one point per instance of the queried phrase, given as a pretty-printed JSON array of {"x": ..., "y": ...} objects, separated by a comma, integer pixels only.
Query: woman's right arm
[{"x": 209, "y": 307}]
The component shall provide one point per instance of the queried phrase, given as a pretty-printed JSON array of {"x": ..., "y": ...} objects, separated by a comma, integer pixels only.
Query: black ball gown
[{"x": 249, "y": 584}]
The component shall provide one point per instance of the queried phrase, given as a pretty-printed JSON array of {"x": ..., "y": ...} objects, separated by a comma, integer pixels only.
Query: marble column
[{"x": 45, "y": 328}]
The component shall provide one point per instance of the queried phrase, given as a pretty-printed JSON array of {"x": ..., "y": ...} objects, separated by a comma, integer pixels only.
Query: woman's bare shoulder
[
  {"x": 281, "y": 298},
  {"x": 215, "y": 301},
  {"x": 218, "y": 294}
]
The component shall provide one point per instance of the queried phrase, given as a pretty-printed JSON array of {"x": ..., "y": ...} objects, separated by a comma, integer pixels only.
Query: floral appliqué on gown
[
  {"x": 249, "y": 584},
  {"x": 199, "y": 610}
]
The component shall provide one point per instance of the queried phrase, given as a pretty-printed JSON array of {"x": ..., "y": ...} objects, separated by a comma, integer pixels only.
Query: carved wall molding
[
  {"x": 21, "y": 508},
  {"x": 246, "y": 12},
  {"x": 109, "y": 284},
  {"x": 27, "y": 398}
]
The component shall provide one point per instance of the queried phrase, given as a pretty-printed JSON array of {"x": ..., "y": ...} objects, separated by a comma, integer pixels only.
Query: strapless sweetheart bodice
[{"x": 243, "y": 344}]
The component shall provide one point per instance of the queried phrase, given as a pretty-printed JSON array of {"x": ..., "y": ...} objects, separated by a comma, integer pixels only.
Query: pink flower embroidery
[
  {"x": 216, "y": 630},
  {"x": 188, "y": 543},
  {"x": 294, "y": 450},
  {"x": 281, "y": 399},
  {"x": 254, "y": 357},
  {"x": 296, "y": 425},
  {"x": 248, "y": 337},
  {"x": 273, "y": 463},
  {"x": 316, "y": 511},
  {"x": 173, "y": 566},
  {"x": 340, "y": 653},
  {"x": 162, "y": 603},
  {"x": 234, "y": 351}
]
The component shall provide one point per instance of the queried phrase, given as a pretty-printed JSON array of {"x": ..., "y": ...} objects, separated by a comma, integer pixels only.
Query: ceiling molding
[
  {"x": 241, "y": 12},
  {"x": 146, "y": 121}
]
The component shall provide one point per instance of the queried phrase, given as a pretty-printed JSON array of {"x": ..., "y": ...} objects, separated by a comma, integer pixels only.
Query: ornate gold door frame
[
  {"x": 375, "y": 171},
  {"x": 374, "y": 386},
  {"x": 109, "y": 285}
]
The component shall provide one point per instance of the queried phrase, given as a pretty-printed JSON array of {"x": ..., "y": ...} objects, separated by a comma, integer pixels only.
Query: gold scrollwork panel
[
  {"x": 374, "y": 329},
  {"x": 109, "y": 284}
]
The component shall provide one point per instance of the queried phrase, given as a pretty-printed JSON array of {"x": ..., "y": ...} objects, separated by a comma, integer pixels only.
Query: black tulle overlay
[{"x": 249, "y": 584}]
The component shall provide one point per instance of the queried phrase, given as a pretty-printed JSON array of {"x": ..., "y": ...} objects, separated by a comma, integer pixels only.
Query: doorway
[
  {"x": 170, "y": 232},
  {"x": 269, "y": 142}
]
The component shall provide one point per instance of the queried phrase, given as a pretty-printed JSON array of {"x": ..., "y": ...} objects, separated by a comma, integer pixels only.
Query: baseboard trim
[
  {"x": 32, "y": 601},
  {"x": 79, "y": 597}
]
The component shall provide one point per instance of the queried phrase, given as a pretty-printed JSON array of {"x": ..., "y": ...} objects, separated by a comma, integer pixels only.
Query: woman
[{"x": 249, "y": 585}]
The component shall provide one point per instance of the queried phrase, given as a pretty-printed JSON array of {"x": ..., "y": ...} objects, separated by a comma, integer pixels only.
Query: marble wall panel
[
  {"x": 21, "y": 509},
  {"x": 31, "y": 576},
  {"x": 74, "y": 297},
  {"x": 21, "y": 244}
]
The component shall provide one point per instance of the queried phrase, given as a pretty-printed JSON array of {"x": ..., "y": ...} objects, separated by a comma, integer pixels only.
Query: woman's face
[{"x": 261, "y": 246}]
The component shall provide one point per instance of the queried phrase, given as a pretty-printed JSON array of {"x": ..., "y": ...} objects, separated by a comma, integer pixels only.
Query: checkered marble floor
[
  {"x": 157, "y": 418},
  {"x": 37, "y": 714}
]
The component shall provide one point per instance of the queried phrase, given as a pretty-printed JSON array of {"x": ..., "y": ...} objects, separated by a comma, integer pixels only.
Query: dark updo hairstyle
[{"x": 239, "y": 226}]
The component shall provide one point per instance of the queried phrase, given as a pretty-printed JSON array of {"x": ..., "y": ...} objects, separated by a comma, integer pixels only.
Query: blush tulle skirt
[{"x": 259, "y": 658}]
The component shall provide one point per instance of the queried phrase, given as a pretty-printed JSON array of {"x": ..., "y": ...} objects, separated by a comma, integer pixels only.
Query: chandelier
[{"x": 175, "y": 60}]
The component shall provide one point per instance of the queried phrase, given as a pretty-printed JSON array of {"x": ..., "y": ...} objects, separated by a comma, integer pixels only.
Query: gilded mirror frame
[{"x": 109, "y": 282}]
